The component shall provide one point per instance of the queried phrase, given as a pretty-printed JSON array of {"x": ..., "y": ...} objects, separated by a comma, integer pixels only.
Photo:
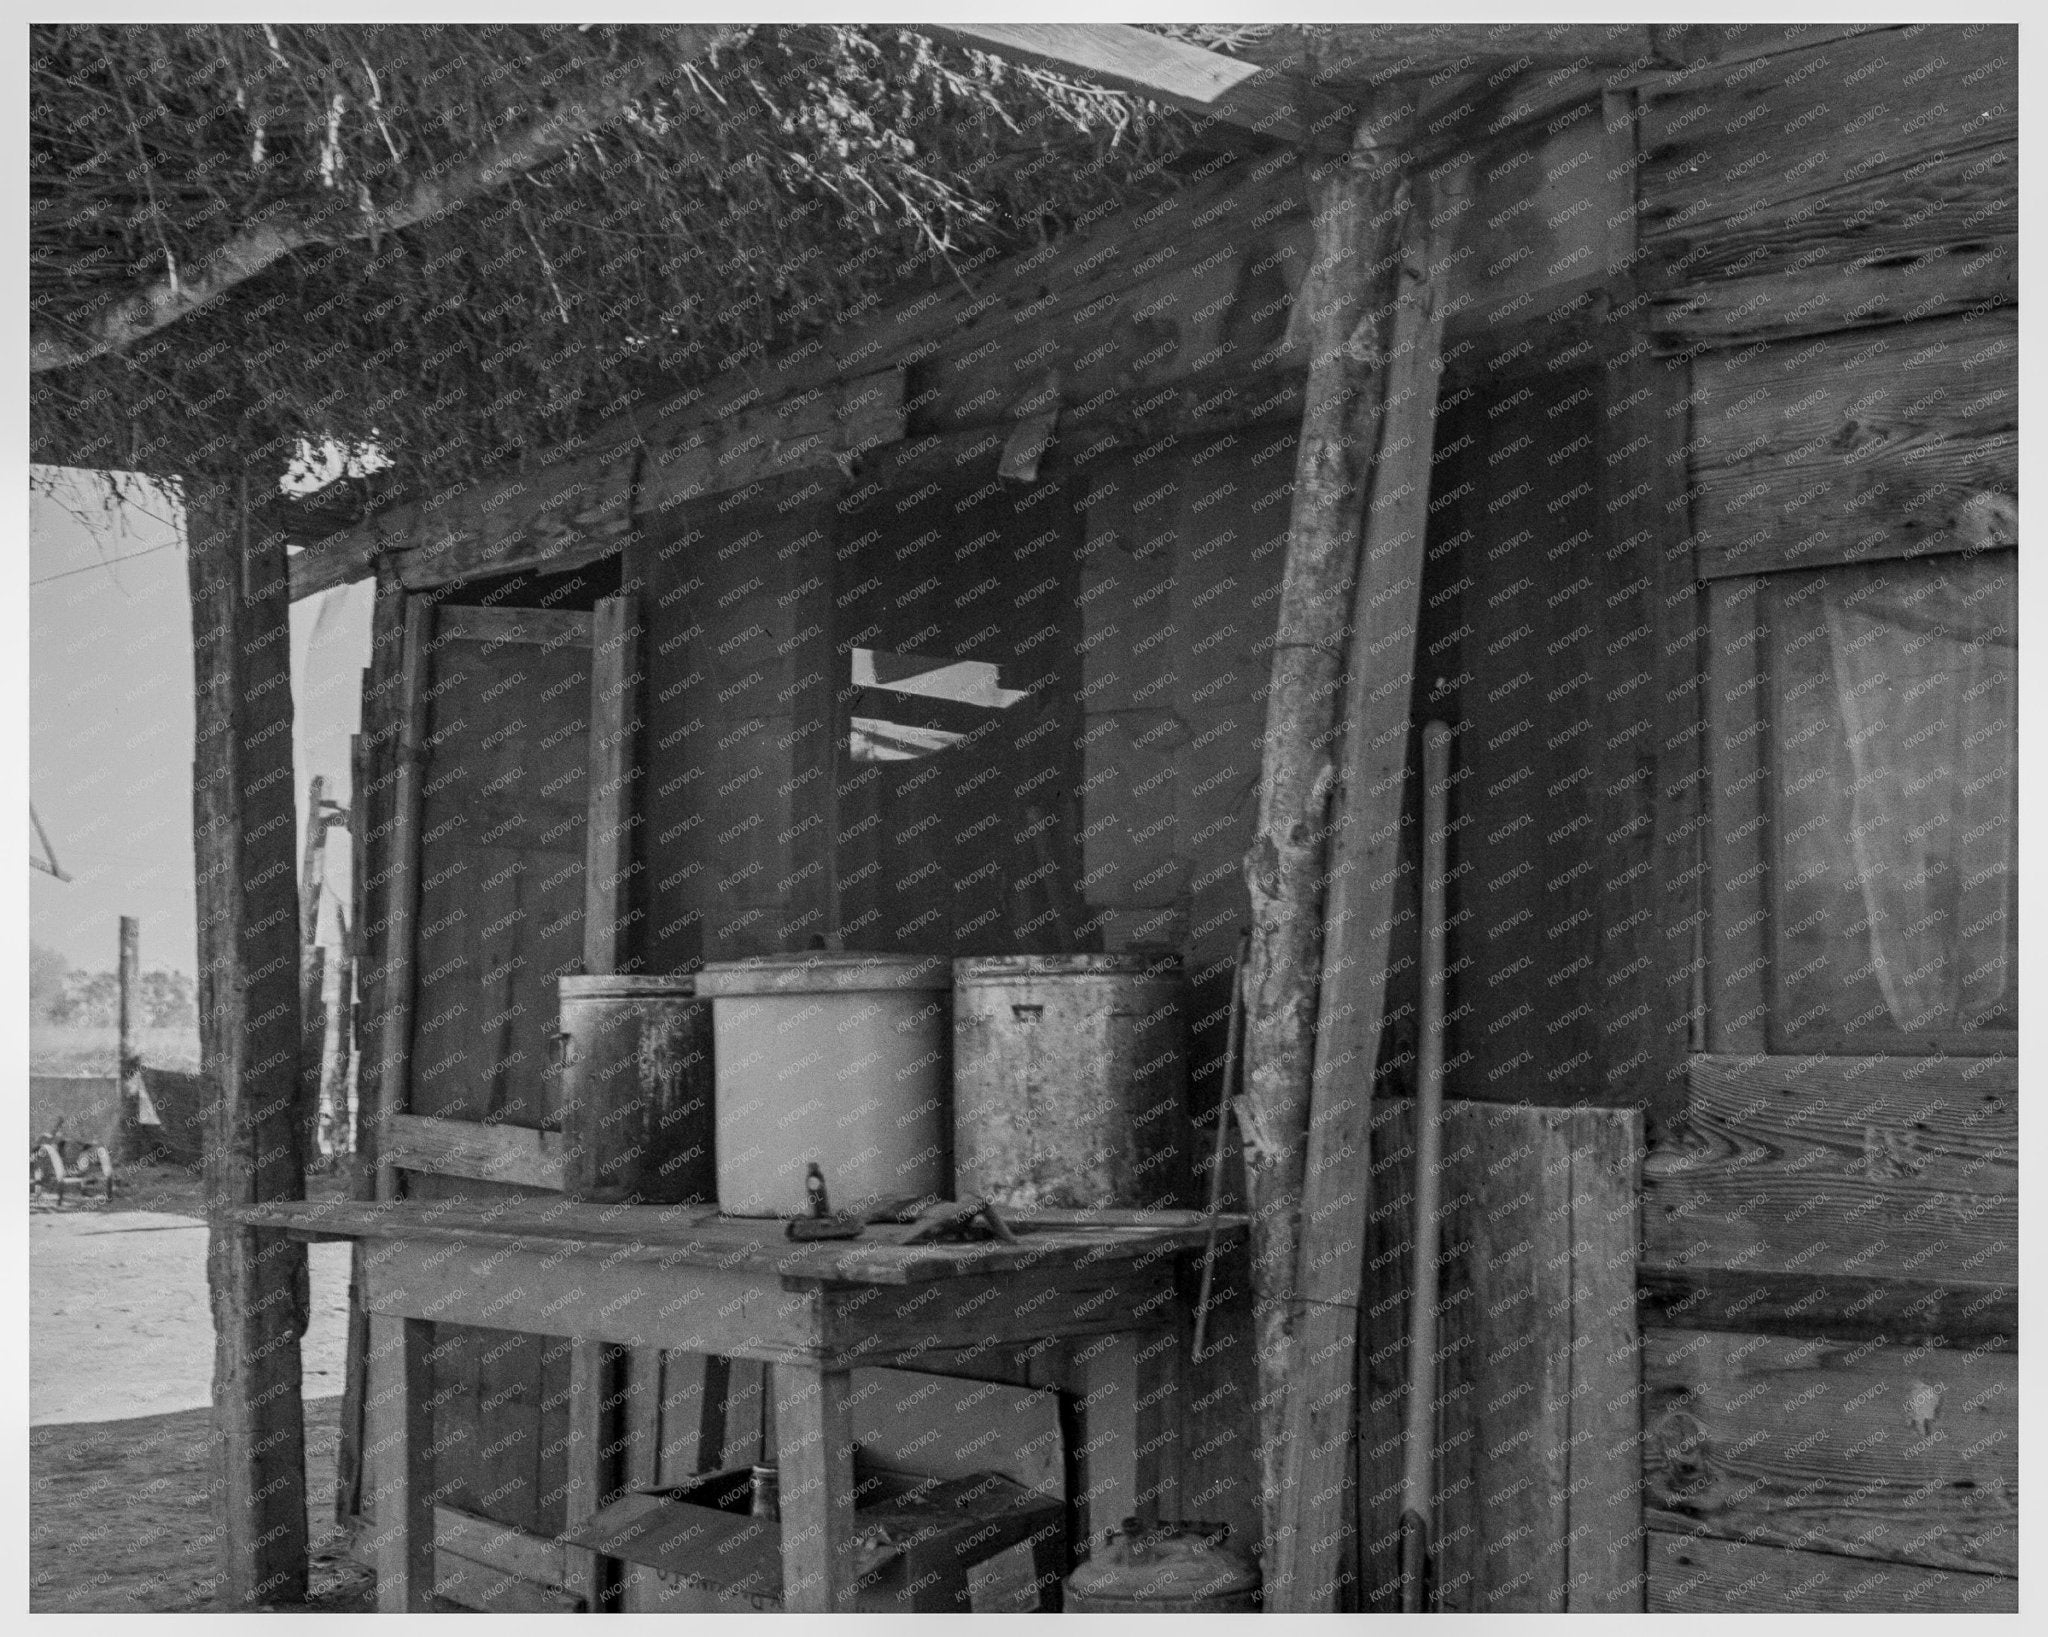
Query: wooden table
[{"x": 682, "y": 1278}]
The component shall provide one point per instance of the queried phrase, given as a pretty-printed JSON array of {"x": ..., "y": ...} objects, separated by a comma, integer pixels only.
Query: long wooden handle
[
  {"x": 1429, "y": 1104},
  {"x": 1233, "y": 1036}
]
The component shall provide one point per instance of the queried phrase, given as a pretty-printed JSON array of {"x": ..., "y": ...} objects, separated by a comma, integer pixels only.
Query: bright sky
[{"x": 110, "y": 718}]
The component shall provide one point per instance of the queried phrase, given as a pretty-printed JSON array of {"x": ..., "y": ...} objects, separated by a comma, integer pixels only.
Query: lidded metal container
[
  {"x": 1166, "y": 1568},
  {"x": 634, "y": 1056},
  {"x": 834, "y": 1059},
  {"x": 1070, "y": 1080}
]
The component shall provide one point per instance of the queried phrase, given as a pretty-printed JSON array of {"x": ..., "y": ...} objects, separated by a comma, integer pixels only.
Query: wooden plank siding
[
  {"x": 1908, "y": 1455},
  {"x": 1853, "y": 447},
  {"x": 1865, "y": 1166},
  {"x": 1701, "y": 1574},
  {"x": 1728, "y": 145},
  {"x": 1537, "y": 1453},
  {"x": 468, "y": 1148},
  {"x": 739, "y": 721}
]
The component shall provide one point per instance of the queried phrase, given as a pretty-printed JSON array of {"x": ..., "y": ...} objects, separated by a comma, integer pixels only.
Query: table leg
[
  {"x": 814, "y": 1444},
  {"x": 1130, "y": 1452},
  {"x": 593, "y": 1377},
  {"x": 401, "y": 1437}
]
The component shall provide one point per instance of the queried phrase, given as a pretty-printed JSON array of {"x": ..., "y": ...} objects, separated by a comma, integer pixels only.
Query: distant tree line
[{"x": 58, "y": 993}]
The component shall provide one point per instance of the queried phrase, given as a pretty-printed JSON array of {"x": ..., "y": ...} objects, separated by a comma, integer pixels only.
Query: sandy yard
[{"x": 120, "y": 1378}]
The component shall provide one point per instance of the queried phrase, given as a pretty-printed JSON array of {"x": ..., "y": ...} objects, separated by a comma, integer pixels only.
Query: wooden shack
[{"x": 1708, "y": 440}]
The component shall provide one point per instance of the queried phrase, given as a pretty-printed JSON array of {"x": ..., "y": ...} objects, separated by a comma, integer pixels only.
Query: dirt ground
[{"x": 121, "y": 1425}]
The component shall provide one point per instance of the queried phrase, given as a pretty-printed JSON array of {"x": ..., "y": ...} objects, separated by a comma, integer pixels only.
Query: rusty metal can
[
  {"x": 634, "y": 1056},
  {"x": 1070, "y": 1080},
  {"x": 1166, "y": 1568}
]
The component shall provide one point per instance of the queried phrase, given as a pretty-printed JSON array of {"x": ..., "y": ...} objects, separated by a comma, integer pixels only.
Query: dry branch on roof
[{"x": 744, "y": 201}]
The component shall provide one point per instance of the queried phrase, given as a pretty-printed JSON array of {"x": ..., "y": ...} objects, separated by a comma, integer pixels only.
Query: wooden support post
[
  {"x": 601, "y": 1377},
  {"x": 814, "y": 1455},
  {"x": 608, "y": 832},
  {"x": 401, "y": 869},
  {"x": 249, "y": 1046},
  {"x": 595, "y": 1370},
  {"x": 1357, "y": 227},
  {"x": 402, "y": 1434},
  {"x": 1307, "y": 1567},
  {"x": 312, "y": 966},
  {"x": 373, "y": 766},
  {"x": 334, "y": 1054},
  {"x": 128, "y": 1061},
  {"x": 312, "y": 1046}
]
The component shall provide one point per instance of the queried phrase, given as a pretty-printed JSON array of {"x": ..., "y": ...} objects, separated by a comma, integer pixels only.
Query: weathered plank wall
[
  {"x": 1828, "y": 254},
  {"x": 736, "y": 809},
  {"x": 971, "y": 850},
  {"x": 1538, "y": 1508},
  {"x": 1909, "y": 1456}
]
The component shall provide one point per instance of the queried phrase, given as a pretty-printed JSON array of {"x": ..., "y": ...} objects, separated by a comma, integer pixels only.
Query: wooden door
[{"x": 503, "y": 783}]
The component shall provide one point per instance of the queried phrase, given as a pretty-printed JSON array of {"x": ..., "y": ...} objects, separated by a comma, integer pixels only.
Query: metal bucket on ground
[
  {"x": 1166, "y": 1568},
  {"x": 835, "y": 1059},
  {"x": 634, "y": 1056},
  {"x": 1070, "y": 1080}
]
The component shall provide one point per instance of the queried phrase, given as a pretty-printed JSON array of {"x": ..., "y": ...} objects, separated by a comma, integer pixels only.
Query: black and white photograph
[{"x": 845, "y": 817}]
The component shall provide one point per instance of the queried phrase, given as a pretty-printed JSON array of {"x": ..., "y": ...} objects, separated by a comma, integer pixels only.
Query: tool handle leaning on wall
[{"x": 1416, "y": 1498}]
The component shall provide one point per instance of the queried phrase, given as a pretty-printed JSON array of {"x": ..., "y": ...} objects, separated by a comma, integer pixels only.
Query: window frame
[{"x": 1745, "y": 939}]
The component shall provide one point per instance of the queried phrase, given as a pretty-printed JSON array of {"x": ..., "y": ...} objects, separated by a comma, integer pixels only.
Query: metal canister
[
  {"x": 833, "y": 1058},
  {"x": 1070, "y": 1080},
  {"x": 1166, "y": 1568},
  {"x": 634, "y": 1056}
]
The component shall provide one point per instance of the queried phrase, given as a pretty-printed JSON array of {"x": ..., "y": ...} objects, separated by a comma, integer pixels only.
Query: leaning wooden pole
[
  {"x": 1365, "y": 846},
  {"x": 1340, "y": 309},
  {"x": 128, "y": 1060},
  {"x": 249, "y": 1041}
]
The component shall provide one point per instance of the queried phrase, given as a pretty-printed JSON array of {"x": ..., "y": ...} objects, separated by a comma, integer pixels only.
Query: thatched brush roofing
[{"x": 786, "y": 178}]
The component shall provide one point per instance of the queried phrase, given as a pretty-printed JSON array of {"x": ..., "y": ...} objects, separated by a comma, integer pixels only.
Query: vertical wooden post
[
  {"x": 1358, "y": 922},
  {"x": 334, "y": 1052},
  {"x": 597, "y": 1372},
  {"x": 390, "y": 723},
  {"x": 1340, "y": 305},
  {"x": 249, "y": 1016},
  {"x": 402, "y": 1432},
  {"x": 128, "y": 1064},
  {"x": 312, "y": 966},
  {"x": 814, "y": 1454},
  {"x": 608, "y": 833},
  {"x": 401, "y": 870}
]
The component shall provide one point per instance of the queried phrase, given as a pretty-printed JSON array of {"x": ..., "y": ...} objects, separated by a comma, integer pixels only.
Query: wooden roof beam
[
  {"x": 1266, "y": 101},
  {"x": 1371, "y": 53}
]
